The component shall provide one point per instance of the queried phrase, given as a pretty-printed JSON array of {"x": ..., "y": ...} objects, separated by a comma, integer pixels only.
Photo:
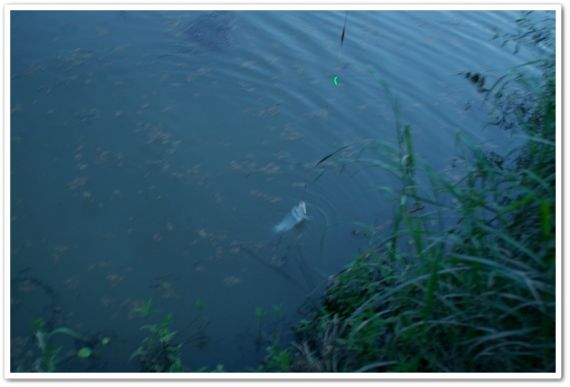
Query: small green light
[{"x": 335, "y": 80}]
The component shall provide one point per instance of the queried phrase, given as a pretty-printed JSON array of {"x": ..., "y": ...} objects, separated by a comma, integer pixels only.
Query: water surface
[{"x": 152, "y": 154}]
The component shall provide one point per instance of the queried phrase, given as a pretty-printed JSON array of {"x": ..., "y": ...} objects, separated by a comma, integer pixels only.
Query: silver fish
[{"x": 294, "y": 217}]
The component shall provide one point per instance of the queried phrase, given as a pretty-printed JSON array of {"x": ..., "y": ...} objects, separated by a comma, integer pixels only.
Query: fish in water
[{"x": 294, "y": 217}]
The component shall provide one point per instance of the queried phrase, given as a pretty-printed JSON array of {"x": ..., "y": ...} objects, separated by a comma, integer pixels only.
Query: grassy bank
[{"x": 465, "y": 280}]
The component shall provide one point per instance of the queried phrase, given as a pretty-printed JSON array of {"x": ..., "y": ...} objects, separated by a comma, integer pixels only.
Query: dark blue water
[{"x": 152, "y": 154}]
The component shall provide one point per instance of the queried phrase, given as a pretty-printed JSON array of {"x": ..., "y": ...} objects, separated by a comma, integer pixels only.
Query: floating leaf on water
[{"x": 84, "y": 352}]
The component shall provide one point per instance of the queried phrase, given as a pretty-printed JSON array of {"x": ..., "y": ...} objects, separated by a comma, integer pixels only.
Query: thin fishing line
[{"x": 339, "y": 65}]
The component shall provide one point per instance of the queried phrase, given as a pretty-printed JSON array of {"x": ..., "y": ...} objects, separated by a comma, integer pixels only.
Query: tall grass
[{"x": 465, "y": 280}]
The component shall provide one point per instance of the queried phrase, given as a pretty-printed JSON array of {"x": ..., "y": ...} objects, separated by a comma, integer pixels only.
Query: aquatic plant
[
  {"x": 84, "y": 352},
  {"x": 158, "y": 352},
  {"x": 43, "y": 354},
  {"x": 278, "y": 359},
  {"x": 259, "y": 317},
  {"x": 465, "y": 279}
]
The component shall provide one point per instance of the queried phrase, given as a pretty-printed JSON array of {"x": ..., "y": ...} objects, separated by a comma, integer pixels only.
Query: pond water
[{"x": 153, "y": 154}]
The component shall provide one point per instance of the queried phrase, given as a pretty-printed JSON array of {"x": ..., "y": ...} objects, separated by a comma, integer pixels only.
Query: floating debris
[
  {"x": 71, "y": 283},
  {"x": 320, "y": 113},
  {"x": 232, "y": 281},
  {"x": 245, "y": 166},
  {"x": 282, "y": 155},
  {"x": 269, "y": 112},
  {"x": 87, "y": 116},
  {"x": 277, "y": 261},
  {"x": 58, "y": 252},
  {"x": 100, "y": 265},
  {"x": 78, "y": 182},
  {"x": 290, "y": 134},
  {"x": 200, "y": 72},
  {"x": 165, "y": 289},
  {"x": 299, "y": 184},
  {"x": 114, "y": 279},
  {"x": 234, "y": 248},
  {"x": 27, "y": 286},
  {"x": 265, "y": 197},
  {"x": 269, "y": 169}
]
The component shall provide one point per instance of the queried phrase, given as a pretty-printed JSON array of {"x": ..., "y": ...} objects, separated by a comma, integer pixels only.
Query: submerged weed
[{"x": 159, "y": 352}]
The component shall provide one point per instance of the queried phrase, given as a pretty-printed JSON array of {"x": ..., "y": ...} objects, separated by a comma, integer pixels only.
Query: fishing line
[{"x": 336, "y": 79}]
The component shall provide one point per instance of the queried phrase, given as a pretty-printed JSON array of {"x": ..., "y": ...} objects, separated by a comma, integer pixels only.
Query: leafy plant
[
  {"x": 84, "y": 352},
  {"x": 43, "y": 351},
  {"x": 158, "y": 352},
  {"x": 278, "y": 359}
]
